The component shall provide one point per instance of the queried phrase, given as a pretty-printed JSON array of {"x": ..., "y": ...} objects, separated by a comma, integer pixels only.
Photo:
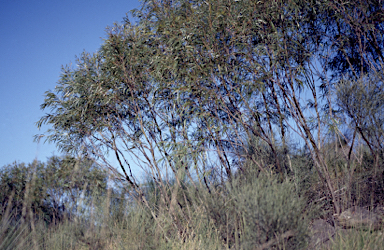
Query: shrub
[{"x": 272, "y": 214}]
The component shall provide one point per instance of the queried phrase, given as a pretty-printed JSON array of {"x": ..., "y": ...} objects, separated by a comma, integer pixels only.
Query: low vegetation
[{"x": 255, "y": 210}]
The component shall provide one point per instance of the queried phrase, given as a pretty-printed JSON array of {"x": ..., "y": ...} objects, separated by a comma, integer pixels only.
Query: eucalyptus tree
[
  {"x": 243, "y": 67},
  {"x": 193, "y": 81}
]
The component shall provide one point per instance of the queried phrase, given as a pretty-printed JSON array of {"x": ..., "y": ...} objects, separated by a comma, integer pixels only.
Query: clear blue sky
[{"x": 36, "y": 38}]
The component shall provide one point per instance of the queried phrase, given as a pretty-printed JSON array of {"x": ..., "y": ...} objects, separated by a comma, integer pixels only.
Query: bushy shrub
[{"x": 272, "y": 213}]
